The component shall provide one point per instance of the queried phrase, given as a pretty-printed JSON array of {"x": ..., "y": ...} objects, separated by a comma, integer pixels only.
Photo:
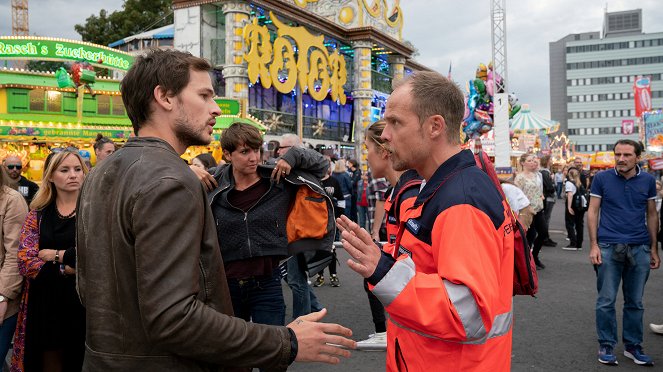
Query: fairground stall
[{"x": 69, "y": 107}]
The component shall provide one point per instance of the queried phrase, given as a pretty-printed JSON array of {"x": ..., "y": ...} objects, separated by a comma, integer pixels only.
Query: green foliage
[
  {"x": 45, "y": 66},
  {"x": 135, "y": 17}
]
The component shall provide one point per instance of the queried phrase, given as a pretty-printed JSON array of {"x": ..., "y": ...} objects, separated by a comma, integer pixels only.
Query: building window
[
  {"x": 103, "y": 105},
  {"x": 118, "y": 106},
  {"x": 37, "y": 100},
  {"x": 54, "y": 103}
]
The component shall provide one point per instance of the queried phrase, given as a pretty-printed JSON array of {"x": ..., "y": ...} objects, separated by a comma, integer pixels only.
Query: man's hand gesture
[
  {"x": 321, "y": 342},
  {"x": 359, "y": 244}
]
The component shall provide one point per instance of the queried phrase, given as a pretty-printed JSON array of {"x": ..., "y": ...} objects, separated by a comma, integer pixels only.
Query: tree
[
  {"x": 45, "y": 66},
  {"x": 136, "y": 16},
  {"x": 98, "y": 29}
]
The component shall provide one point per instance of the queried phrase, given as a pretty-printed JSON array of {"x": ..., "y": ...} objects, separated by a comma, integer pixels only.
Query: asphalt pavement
[{"x": 553, "y": 332}]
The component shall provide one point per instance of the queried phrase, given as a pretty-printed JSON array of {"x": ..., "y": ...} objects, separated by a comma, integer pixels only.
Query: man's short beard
[{"x": 186, "y": 135}]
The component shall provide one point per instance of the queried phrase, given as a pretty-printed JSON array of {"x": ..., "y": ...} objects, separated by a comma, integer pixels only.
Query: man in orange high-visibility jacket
[{"x": 448, "y": 284}]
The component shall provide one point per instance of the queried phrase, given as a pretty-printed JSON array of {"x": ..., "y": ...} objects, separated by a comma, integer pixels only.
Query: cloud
[
  {"x": 460, "y": 32},
  {"x": 56, "y": 18}
]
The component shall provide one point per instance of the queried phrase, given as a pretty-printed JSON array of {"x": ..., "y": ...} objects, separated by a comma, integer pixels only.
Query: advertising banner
[
  {"x": 642, "y": 94},
  {"x": 628, "y": 126},
  {"x": 656, "y": 164},
  {"x": 654, "y": 131}
]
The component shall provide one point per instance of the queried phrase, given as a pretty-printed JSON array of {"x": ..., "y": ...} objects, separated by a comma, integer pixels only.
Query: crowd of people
[{"x": 120, "y": 267}]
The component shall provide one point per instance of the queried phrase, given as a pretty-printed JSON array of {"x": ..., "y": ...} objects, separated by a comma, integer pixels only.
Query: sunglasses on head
[
  {"x": 14, "y": 166},
  {"x": 56, "y": 150}
]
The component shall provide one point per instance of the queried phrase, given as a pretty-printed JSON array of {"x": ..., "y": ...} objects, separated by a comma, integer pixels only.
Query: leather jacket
[
  {"x": 150, "y": 274},
  {"x": 261, "y": 231}
]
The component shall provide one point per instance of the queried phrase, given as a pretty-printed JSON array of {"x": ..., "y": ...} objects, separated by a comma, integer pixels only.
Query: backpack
[
  {"x": 525, "y": 278},
  {"x": 580, "y": 202},
  {"x": 548, "y": 184}
]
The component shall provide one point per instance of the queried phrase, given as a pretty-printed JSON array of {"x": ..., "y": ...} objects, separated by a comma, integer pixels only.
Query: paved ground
[{"x": 553, "y": 332}]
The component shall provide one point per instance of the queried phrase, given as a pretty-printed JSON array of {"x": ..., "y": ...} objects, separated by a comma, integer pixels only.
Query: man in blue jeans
[{"x": 622, "y": 247}]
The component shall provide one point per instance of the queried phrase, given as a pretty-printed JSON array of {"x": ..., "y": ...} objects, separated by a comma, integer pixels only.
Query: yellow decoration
[
  {"x": 303, "y": 3},
  {"x": 346, "y": 15},
  {"x": 309, "y": 70}
]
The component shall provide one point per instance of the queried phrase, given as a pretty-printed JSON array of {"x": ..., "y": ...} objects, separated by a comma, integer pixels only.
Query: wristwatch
[{"x": 3, "y": 298}]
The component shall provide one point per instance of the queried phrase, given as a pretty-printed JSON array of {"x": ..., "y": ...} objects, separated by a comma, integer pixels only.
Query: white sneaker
[
  {"x": 656, "y": 328},
  {"x": 374, "y": 342}
]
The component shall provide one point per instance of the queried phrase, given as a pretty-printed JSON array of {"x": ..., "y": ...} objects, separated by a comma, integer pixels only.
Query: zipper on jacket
[{"x": 246, "y": 218}]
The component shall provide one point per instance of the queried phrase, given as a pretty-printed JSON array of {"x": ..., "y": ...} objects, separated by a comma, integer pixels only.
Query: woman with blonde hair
[
  {"x": 50, "y": 332},
  {"x": 12, "y": 214},
  {"x": 530, "y": 182}
]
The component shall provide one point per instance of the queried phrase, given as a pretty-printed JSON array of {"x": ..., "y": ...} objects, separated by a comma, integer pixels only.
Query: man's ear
[
  {"x": 437, "y": 126},
  {"x": 162, "y": 98}
]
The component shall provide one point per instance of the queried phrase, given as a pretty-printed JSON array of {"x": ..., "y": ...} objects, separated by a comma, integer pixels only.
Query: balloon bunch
[{"x": 478, "y": 118}]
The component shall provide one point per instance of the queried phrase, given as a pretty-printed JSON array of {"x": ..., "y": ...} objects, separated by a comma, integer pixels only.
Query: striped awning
[{"x": 527, "y": 120}]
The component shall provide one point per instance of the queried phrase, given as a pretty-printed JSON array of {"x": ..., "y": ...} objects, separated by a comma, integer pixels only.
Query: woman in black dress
[{"x": 50, "y": 333}]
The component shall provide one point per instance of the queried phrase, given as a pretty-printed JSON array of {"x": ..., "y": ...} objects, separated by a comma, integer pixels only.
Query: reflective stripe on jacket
[{"x": 449, "y": 293}]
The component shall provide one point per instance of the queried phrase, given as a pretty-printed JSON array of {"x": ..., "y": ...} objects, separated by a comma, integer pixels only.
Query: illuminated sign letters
[
  {"x": 296, "y": 56},
  {"x": 38, "y": 48}
]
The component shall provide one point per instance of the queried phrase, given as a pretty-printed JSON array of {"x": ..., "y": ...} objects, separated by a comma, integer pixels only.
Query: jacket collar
[
  {"x": 453, "y": 165},
  {"x": 150, "y": 142}
]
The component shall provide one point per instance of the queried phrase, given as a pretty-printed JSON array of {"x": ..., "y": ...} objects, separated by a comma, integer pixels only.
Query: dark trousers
[
  {"x": 538, "y": 233},
  {"x": 258, "y": 299},
  {"x": 574, "y": 227},
  {"x": 377, "y": 310}
]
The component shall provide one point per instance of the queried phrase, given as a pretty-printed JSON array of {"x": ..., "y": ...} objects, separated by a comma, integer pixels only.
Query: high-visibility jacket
[
  {"x": 400, "y": 197},
  {"x": 448, "y": 285}
]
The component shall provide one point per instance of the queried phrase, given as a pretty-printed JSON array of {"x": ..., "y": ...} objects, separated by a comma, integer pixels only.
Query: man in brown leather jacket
[{"x": 150, "y": 273}]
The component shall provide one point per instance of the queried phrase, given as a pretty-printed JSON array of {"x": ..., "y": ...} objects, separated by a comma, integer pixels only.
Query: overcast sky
[{"x": 456, "y": 32}]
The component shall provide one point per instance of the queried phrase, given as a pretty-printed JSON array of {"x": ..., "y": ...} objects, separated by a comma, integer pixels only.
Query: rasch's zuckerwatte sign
[{"x": 38, "y": 48}]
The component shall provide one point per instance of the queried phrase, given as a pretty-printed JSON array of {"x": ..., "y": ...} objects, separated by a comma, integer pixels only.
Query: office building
[{"x": 592, "y": 76}]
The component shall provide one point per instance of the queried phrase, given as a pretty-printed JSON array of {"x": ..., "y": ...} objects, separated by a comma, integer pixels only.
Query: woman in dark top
[{"x": 50, "y": 333}]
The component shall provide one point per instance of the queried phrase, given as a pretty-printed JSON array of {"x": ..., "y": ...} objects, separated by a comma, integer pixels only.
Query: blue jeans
[
  {"x": 558, "y": 189},
  {"x": 362, "y": 214},
  {"x": 258, "y": 299},
  {"x": 304, "y": 300},
  {"x": 6, "y": 333},
  {"x": 633, "y": 269}
]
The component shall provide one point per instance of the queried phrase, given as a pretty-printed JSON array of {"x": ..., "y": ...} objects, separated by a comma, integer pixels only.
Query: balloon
[
  {"x": 482, "y": 72},
  {"x": 514, "y": 111},
  {"x": 470, "y": 88},
  {"x": 480, "y": 85},
  {"x": 472, "y": 127},
  {"x": 513, "y": 99},
  {"x": 485, "y": 128},
  {"x": 483, "y": 117},
  {"x": 63, "y": 78},
  {"x": 467, "y": 109},
  {"x": 490, "y": 87}
]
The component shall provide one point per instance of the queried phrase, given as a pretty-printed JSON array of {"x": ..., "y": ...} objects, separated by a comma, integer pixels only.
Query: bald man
[{"x": 13, "y": 168}]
